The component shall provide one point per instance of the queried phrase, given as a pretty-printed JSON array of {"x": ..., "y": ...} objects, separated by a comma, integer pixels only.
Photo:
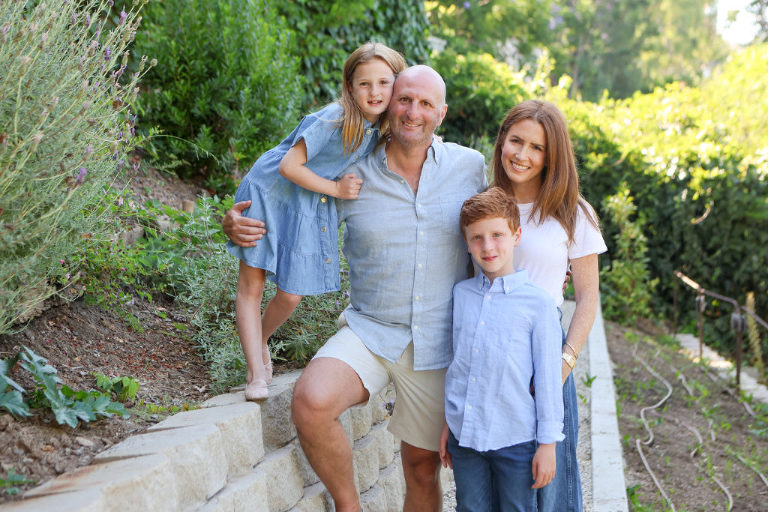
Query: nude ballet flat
[{"x": 256, "y": 390}]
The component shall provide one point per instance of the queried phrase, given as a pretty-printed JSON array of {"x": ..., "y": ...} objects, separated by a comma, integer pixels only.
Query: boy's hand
[
  {"x": 348, "y": 187},
  {"x": 445, "y": 457},
  {"x": 544, "y": 464}
]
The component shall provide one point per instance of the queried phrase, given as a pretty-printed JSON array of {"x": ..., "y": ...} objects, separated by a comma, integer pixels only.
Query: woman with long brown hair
[{"x": 533, "y": 161}]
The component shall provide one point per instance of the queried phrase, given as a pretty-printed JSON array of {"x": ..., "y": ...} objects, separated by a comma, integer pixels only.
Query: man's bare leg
[
  {"x": 327, "y": 388},
  {"x": 422, "y": 479}
]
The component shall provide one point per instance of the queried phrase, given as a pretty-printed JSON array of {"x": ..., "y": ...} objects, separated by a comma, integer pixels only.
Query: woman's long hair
[
  {"x": 559, "y": 195},
  {"x": 353, "y": 121}
]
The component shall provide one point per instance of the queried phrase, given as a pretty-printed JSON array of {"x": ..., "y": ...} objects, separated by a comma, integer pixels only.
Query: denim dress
[{"x": 300, "y": 249}]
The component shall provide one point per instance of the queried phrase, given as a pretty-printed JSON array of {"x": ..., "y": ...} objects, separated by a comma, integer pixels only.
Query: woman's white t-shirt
[{"x": 544, "y": 250}]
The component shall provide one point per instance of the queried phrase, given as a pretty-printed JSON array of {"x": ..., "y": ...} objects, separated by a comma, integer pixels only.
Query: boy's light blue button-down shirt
[
  {"x": 504, "y": 335},
  {"x": 405, "y": 252}
]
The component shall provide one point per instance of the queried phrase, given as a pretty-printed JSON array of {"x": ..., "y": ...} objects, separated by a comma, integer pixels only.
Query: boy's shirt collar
[{"x": 508, "y": 283}]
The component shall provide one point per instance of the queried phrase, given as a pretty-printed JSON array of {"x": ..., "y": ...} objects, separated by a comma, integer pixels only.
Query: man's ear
[{"x": 442, "y": 114}]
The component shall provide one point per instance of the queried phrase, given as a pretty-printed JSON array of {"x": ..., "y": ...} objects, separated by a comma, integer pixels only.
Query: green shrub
[
  {"x": 479, "y": 92},
  {"x": 328, "y": 31},
  {"x": 627, "y": 290},
  {"x": 65, "y": 127},
  {"x": 204, "y": 280},
  {"x": 225, "y": 90}
]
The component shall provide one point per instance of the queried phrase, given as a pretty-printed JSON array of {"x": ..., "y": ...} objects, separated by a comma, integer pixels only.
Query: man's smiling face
[{"x": 417, "y": 107}]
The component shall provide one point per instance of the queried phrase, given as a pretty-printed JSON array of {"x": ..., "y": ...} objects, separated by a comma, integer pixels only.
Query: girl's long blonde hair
[
  {"x": 559, "y": 195},
  {"x": 353, "y": 122}
]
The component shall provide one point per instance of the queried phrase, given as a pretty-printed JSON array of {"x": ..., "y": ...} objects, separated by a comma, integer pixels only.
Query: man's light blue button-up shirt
[
  {"x": 504, "y": 335},
  {"x": 405, "y": 252}
]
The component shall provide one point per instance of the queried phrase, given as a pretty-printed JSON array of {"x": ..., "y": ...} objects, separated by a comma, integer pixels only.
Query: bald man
[{"x": 405, "y": 252}]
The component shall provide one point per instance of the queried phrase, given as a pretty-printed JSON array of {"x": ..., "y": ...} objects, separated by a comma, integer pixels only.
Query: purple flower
[
  {"x": 81, "y": 175},
  {"x": 62, "y": 262},
  {"x": 88, "y": 19},
  {"x": 111, "y": 3},
  {"x": 123, "y": 15},
  {"x": 120, "y": 165},
  {"x": 68, "y": 276},
  {"x": 467, "y": 5},
  {"x": 136, "y": 166},
  {"x": 107, "y": 53}
]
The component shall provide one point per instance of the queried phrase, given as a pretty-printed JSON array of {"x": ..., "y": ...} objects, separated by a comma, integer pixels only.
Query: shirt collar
[
  {"x": 433, "y": 151},
  {"x": 507, "y": 284}
]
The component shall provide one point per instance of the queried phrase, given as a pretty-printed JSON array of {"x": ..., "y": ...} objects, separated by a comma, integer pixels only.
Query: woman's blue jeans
[
  {"x": 563, "y": 494},
  {"x": 493, "y": 480}
]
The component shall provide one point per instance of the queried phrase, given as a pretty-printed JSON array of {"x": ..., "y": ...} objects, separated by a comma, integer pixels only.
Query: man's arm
[{"x": 243, "y": 231}]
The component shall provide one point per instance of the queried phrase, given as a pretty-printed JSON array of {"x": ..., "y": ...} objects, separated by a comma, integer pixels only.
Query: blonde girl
[
  {"x": 292, "y": 189},
  {"x": 533, "y": 161}
]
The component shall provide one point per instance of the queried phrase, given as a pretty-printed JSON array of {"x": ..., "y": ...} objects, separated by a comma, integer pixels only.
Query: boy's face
[{"x": 492, "y": 244}]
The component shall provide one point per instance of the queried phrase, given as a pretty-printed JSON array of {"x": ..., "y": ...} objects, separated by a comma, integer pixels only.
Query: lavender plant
[{"x": 65, "y": 128}]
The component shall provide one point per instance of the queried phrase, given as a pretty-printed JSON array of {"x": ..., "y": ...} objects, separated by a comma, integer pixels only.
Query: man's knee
[
  {"x": 325, "y": 389},
  {"x": 421, "y": 467}
]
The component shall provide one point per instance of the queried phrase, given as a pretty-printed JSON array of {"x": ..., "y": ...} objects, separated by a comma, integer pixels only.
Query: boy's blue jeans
[
  {"x": 563, "y": 494},
  {"x": 493, "y": 480}
]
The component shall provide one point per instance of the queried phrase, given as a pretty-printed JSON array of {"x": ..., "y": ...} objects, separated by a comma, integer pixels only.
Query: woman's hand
[
  {"x": 243, "y": 231},
  {"x": 445, "y": 457}
]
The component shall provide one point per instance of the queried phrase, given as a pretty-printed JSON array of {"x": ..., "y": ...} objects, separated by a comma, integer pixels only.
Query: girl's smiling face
[
  {"x": 523, "y": 157},
  {"x": 371, "y": 88}
]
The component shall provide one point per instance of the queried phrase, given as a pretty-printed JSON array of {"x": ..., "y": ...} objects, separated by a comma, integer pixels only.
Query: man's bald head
[
  {"x": 426, "y": 76},
  {"x": 417, "y": 107}
]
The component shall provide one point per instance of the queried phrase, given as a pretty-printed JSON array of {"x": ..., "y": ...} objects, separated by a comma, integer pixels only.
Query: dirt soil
[
  {"x": 80, "y": 339},
  {"x": 706, "y": 448}
]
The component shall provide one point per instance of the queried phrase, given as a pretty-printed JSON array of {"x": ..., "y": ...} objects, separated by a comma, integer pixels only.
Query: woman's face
[{"x": 523, "y": 157}]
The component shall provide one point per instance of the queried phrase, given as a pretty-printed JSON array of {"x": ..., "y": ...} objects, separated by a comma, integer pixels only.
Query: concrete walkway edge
[{"x": 608, "y": 485}]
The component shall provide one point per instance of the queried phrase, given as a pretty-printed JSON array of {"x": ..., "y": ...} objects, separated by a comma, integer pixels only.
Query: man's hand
[
  {"x": 348, "y": 187},
  {"x": 543, "y": 465},
  {"x": 243, "y": 231},
  {"x": 445, "y": 457}
]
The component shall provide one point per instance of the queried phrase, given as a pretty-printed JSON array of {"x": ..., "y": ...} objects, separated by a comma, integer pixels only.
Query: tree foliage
[{"x": 225, "y": 89}]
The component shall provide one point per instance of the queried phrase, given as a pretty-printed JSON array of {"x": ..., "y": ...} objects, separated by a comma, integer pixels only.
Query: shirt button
[
  {"x": 402, "y": 181},
  {"x": 469, "y": 407},
  {"x": 475, "y": 351},
  {"x": 482, "y": 322},
  {"x": 474, "y": 379},
  {"x": 323, "y": 229},
  {"x": 327, "y": 260},
  {"x": 418, "y": 298},
  {"x": 421, "y": 232},
  {"x": 415, "y": 327},
  {"x": 420, "y": 265},
  {"x": 323, "y": 199}
]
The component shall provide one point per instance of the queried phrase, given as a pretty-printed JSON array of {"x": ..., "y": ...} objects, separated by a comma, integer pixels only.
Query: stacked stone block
[{"x": 229, "y": 455}]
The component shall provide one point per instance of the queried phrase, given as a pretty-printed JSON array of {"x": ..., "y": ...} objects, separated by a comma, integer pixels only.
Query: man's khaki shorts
[{"x": 419, "y": 413}]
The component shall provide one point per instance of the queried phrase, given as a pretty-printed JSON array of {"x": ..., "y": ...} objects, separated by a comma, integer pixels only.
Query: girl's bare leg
[
  {"x": 279, "y": 309},
  {"x": 250, "y": 288}
]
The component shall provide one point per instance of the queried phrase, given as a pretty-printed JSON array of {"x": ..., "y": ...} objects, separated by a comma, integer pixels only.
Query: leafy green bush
[
  {"x": 68, "y": 406},
  {"x": 479, "y": 92},
  {"x": 327, "y": 32},
  {"x": 627, "y": 290},
  {"x": 65, "y": 126},
  {"x": 226, "y": 87},
  {"x": 204, "y": 279}
]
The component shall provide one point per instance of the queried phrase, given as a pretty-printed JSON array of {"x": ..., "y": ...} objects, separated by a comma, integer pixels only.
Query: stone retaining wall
[{"x": 229, "y": 455}]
